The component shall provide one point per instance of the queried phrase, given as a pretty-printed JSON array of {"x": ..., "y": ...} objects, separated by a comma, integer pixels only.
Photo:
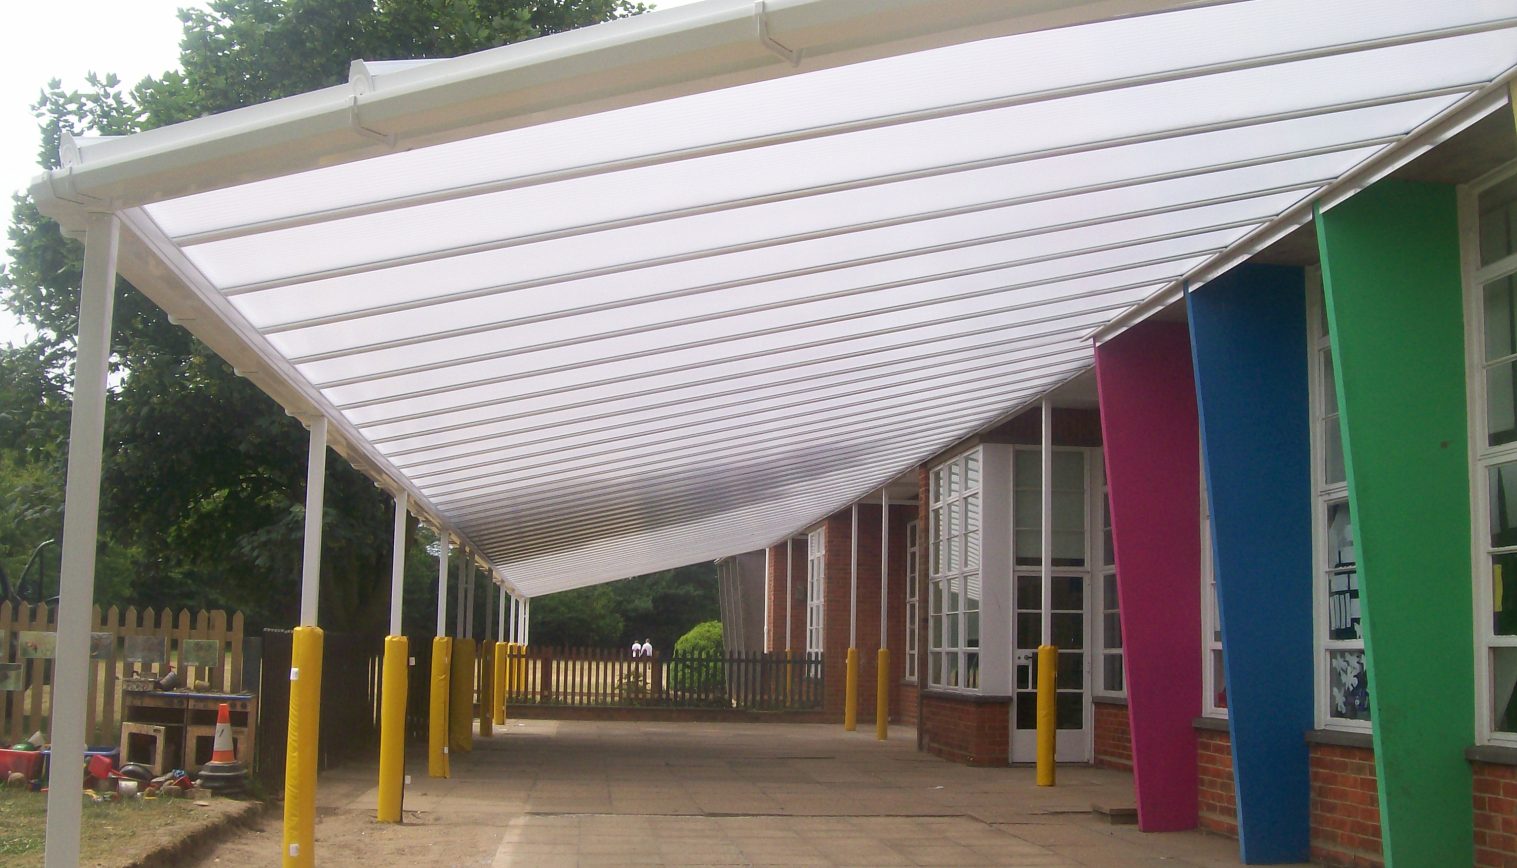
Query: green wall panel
[{"x": 1390, "y": 268}]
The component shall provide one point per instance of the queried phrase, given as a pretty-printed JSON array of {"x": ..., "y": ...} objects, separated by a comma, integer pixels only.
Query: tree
[
  {"x": 202, "y": 500},
  {"x": 659, "y": 607}
]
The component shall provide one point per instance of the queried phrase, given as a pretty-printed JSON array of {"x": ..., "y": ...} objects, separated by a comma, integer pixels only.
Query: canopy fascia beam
[{"x": 708, "y": 46}]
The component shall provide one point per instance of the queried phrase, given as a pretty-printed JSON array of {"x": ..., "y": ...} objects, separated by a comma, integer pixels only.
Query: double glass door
[{"x": 1068, "y": 620}]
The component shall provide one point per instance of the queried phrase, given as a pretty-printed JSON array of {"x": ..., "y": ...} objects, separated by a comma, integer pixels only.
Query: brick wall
[
  {"x": 1495, "y": 814},
  {"x": 972, "y": 731},
  {"x": 906, "y": 703},
  {"x": 1216, "y": 791},
  {"x": 1113, "y": 738},
  {"x": 838, "y": 567},
  {"x": 1345, "y": 806},
  {"x": 775, "y": 641}
]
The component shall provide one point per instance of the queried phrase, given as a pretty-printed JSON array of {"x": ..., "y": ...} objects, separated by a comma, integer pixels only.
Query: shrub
[{"x": 697, "y": 666}]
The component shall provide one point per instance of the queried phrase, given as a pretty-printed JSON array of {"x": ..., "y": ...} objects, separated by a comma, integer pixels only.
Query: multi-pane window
[
  {"x": 1213, "y": 675},
  {"x": 1068, "y": 507},
  {"x": 913, "y": 591},
  {"x": 816, "y": 585},
  {"x": 1111, "y": 676},
  {"x": 1343, "y": 696},
  {"x": 953, "y": 582},
  {"x": 1491, "y": 257}
]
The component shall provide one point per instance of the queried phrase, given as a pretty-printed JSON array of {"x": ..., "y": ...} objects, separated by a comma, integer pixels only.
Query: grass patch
[{"x": 112, "y": 831}]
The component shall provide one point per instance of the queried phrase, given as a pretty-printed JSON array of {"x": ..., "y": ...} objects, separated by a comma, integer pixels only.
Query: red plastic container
[{"x": 27, "y": 762}]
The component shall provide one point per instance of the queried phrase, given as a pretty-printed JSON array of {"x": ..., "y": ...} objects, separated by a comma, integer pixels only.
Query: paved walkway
[{"x": 551, "y": 793}]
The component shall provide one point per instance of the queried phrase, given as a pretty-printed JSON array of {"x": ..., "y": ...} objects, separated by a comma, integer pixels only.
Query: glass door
[{"x": 1068, "y": 617}]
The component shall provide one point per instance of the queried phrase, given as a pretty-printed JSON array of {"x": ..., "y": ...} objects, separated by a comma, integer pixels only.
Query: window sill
[
  {"x": 965, "y": 696},
  {"x": 1099, "y": 699},
  {"x": 1211, "y": 724},
  {"x": 1341, "y": 738},
  {"x": 1494, "y": 754}
]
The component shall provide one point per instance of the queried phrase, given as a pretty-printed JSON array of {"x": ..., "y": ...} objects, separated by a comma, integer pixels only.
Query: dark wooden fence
[
  {"x": 612, "y": 677},
  {"x": 350, "y": 669}
]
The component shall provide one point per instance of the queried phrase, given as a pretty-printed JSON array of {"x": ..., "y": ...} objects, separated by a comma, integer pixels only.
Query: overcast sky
[{"x": 67, "y": 39}]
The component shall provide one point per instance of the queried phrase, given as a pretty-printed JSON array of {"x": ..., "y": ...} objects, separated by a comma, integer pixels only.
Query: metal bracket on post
[{"x": 791, "y": 56}]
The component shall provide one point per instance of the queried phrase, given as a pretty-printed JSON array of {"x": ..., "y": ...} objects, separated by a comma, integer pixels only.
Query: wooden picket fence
[
  {"x": 612, "y": 677},
  {"x": 213, "y": 642}
]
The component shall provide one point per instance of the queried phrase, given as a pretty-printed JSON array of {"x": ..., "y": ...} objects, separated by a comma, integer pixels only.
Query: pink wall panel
[{"x": 1149, "y": 425}]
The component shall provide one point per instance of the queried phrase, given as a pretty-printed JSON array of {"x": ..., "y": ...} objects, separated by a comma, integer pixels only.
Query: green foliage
[
  {"x": 699, "y": 675},
  {"x": 202, "y": 499},
  {"x": 658, "y": 607}
]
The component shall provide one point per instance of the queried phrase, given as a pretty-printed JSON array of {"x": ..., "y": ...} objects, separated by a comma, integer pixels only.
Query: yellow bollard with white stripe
[
  {"x": 394, "y": 682},
  {"x": 302, "y": 747},
  {"x": 1048, "y": 722},
  {"x": 437, "y": 711}
]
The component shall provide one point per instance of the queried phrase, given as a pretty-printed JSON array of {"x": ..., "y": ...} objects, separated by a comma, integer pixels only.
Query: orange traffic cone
[{"x": 223, "y": 774}]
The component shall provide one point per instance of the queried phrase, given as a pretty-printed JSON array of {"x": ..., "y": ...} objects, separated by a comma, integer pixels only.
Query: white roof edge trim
[
  {"x": 701, "y": 47},
  {"x": 1447, "y": 124},
  {"x": 153, "y": 265}
]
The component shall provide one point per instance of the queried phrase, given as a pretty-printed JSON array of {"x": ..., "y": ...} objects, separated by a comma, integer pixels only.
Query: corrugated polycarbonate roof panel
[{"x": 673, "y": 331}]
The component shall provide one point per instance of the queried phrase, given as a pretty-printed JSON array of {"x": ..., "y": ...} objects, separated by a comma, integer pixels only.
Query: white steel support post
[
  {"x": 471, "y": 588},
  {"x": 768, "y": 596},
  {"x": 80, "y": 528},
  {"x": 459, "y": 600},
  {"x": 442, "y": 582},
  {"x": 526, "y": 621},
  {"x": 316, "y": 489},
  {"x": 1046, "y": 528},
  {"x": 884, "y": 566},
  {"x": 398, "y": 561},
  {"x": 500, "y": 619},
  {"x": 789, "y": 597},
  {"x": 511, "y": 631},
  {"x": 853, "y": 580}
]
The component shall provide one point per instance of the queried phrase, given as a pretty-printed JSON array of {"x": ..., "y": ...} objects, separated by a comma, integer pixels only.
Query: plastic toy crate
[{"x": 27, "y": 762}]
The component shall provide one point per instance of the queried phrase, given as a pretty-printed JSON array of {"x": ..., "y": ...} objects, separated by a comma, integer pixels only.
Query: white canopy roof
[{"x": 647, "y": 293}]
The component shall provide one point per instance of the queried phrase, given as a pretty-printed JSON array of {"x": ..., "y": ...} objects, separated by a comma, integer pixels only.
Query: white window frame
[
  {"x": 816, "y": 590},
  {"x": 1211, "y": 618},
  {"x": 1105, "y": 566},
  {"x": 1325, "y": 495},
  {"x": 948, "y": 549},
  {"x": 1483, "y": 457},
  {"x": 913, "y": 599}
]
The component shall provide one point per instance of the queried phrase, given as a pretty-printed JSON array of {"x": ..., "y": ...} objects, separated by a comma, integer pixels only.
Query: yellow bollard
[
  {"x": 851, "y": 692},
  {"x": 486, "y": 670},
  {"x": 789, "y": 678},
  {"x": 302, "y": 746},
  {"x": 1048, "y": 724},
  {"x": 392, "y": 729},
  {"x": 519, "y": 654},
  {"x": 461, "y": 697},
  {"x": 437, "y": 713},
  {"x": 882, "y": 696},
  {"x": 502, "y": 655}
]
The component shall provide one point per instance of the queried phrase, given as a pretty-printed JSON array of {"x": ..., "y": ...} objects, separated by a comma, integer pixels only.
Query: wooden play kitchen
[{"x": 176, "y": 729}]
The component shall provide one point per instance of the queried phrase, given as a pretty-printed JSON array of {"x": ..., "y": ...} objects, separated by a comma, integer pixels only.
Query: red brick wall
[
  {"x": 1345, "y": 806},
  {"x": 1113, "y": 738},
  {"x": 775, "y": 641},
  {"x": 906, "y": 703},
  {"x": 1495, "y": 814},
  {"x": 838, "y": 566},
  {"x": 974, "y": 732},
  {"x": 1217, "y": 792}
]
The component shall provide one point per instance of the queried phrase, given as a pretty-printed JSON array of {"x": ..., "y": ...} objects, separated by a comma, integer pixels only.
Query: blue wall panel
[{"x": 1248, "y": 337}]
